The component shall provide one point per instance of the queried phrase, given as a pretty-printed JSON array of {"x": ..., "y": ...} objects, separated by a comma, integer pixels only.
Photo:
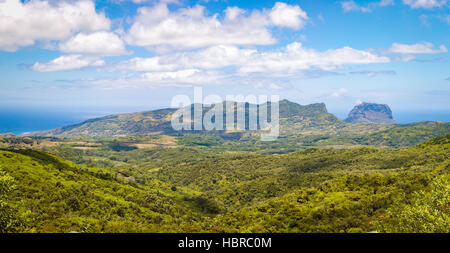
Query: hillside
[
  {"x": 57, "y": 196},
  {"x": 190, "y": 189},
  {"x": 141, "y": 123}
]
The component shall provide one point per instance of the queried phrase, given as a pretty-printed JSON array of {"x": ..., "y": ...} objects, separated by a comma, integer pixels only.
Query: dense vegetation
[
  {"x": 133, "y": 173},
  {"x": 164, "y": 186}
]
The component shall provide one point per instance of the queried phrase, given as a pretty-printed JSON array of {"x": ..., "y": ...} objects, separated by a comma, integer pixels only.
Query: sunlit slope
[
  {"x": 61, "y": 197},
  {"x": 317, "y": 190}
]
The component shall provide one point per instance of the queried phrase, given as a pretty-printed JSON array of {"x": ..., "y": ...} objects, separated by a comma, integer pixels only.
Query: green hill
[
  {"x": 195, "y": 190},
  {"x": 55, "y": 195}
]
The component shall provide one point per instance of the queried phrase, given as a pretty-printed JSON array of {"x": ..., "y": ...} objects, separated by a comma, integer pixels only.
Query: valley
[{"x": 131, "y": 173}]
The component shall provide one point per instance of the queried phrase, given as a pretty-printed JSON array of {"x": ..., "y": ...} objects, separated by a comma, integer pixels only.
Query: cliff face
[{"x": 371, "y": 113}]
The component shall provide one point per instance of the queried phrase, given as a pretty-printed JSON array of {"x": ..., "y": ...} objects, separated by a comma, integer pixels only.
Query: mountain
[
  {"x": 159, "y": 121},
  {"x": 301, "y": 126},
  {"x": 7, "y": 135},
  {"x": 140, "y": 123},
  {"x": 317, "y": 112},
  {"x": 370, "y": 113}
]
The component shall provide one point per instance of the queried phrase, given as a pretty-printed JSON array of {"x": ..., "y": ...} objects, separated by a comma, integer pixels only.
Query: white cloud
[
  {"x": 274, "y": 86},
  {"x": 385, "y": 3},
  {"x": 374, "y": 73},
  {"x": 419, "y": 48},
  {"x": 21, "y": 24},
  {"x": 291, "y": 16},
  {"x": 231, "y": 13},
  {"x": 230, "y": 64},
  {"x": 209, "y": 58},
  {"x": 426, "y": 4},
  {"x": 222, "y": 65},
  {"x": 146, "y": 1},
  {"x": 186, "y": 76},
  {"x": 339, "y": 93},
  {"x": 295, "y": 58},
  {"x": 158, "y": 28},
  {"x": 348, "y": 6},
  {"x": 180, "y": 78},
  {"x": 98, "y": 43},
  {"x": 68, "y": 62},
  {"x": 291, "y": 59}
]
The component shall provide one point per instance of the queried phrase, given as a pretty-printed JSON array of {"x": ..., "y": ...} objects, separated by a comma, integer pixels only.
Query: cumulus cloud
[
  {"x": 208, "y": 58},
  {"x": 22, "y": 24},
  {"x": 225, "y": 64},
  {"x": 294, "y": 57},
  {"x": 291, "y": 16},
  {"x": 185, "y": 76},
  {"x": 349, "y": 6},
  {"x": 426, "y": 4},
  {"x": 290, "y": 59},
  {"x": 157, "y": 27},
  {"x": 419, "y": 48},
  {"x": 374, "y": 73},
  {"x": 98, "y": 43},
  {"x": 68, "y": 62}
]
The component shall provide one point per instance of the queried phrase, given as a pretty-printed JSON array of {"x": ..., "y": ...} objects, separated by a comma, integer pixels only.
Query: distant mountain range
[
  {"x": 367, "y": 124},
  {"x": 159, "y": 121}
]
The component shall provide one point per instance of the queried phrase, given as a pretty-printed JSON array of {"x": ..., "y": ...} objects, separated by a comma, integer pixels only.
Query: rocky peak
[{"x": 371, "y": 113}]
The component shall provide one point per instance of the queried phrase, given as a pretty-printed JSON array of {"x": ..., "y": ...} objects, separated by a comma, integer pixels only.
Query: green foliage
[
  {"x": 61, "y": 198},
  {"x": 425, "y": 211},
  {"x": 346, "y": 204},
  {"x": 405, "y": 135},
  {"x": 199, "y": 140},
  {"x": 117, "y": 146},
  {"x": 10, "y": 219},
  {"x": 206, "y": 189}
]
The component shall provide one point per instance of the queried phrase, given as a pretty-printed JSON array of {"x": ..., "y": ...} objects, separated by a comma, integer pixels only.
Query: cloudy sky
[{"x": 137, "y": 54}]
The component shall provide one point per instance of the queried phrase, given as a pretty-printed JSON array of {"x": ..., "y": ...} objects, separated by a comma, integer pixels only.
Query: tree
[
  {"x": 428, "y": 211},
  {"x": 9, "y": 219}
]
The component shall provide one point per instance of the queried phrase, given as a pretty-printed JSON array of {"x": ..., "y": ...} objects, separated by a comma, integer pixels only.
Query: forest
[{"x": 159, "y": 183}]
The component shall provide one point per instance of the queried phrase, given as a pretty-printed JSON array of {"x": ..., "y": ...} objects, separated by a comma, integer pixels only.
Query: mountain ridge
[
  {"x": 295, "y": 121},
  {"x": 157, "y": 121}
]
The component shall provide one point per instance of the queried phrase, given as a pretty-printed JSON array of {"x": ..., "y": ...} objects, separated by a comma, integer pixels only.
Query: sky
[{"x": 108, "y": 56}]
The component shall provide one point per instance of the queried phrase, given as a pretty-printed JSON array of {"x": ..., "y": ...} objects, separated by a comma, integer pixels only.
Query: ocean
[{"x": 19, "y": 121}]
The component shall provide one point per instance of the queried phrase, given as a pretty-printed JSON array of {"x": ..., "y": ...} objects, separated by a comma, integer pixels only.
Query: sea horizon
[{"x": 26, "y": 120}]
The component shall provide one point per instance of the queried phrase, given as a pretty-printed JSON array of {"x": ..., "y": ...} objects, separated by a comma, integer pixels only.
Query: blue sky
[{"x": 117, "y": 55}]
